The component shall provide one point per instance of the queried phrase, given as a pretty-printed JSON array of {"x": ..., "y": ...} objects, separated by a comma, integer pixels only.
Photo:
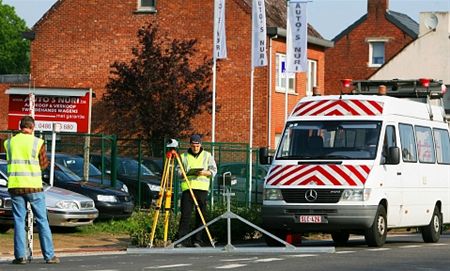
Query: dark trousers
[{"x": 187, "y": 206}]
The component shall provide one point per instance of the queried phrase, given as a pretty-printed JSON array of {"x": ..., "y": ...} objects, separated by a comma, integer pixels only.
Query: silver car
[{"x": 64, "y": 208}]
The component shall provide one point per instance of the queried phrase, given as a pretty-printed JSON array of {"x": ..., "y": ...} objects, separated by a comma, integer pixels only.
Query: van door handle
[{"x": 399, "y": 173}]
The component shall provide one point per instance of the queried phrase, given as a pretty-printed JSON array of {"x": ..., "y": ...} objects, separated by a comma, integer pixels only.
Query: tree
[
  {"x": 160, "y": 91},
  {"x": 14, "y": 50}
]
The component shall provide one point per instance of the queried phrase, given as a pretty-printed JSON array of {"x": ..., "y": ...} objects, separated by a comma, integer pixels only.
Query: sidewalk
[{"x": 68, "y": 243}]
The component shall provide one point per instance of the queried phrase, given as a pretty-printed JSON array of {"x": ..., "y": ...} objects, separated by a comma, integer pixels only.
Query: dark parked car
[
  {"x": 127, "y": 172},
  {"x": 155, "y": 164},
  {"x": 75, "y": 164},
  {"x": 239, "y": 172},
  {"x": 110, "y": 202}
]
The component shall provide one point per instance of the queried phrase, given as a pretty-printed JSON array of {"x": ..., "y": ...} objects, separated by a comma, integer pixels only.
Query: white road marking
[
  {"x": 239, "y": 259},
  {"x": 231, "y": 266},
  {"x": 168, "y": 266},
  {"x": 268, "y": 260},
  {"x": 345, "y": 252},
  {"x": 410, "y": 246},
  {"x": 302, "y": 255},
  {"x": 378, "y": 249},
  {"x": 438, "y": 244}
]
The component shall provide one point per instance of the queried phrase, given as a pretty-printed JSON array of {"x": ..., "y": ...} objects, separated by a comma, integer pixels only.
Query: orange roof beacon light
[{"x": 425, "y": 82}]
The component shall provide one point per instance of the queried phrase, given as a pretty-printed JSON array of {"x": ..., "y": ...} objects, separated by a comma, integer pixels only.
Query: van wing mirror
[
  {"x": 393, "y": 156},
  {"x": 264, "y": 157}
]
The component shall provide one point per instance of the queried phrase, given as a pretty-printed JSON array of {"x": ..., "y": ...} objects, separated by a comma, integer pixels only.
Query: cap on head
[{"x": 196, "y": 139}]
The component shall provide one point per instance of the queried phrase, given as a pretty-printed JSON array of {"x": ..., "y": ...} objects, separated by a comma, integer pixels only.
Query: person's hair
[{"x": 27, "y": 122}]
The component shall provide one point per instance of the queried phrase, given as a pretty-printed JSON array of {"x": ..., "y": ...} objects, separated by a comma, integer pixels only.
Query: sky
[{"x": 328, "y": 17}]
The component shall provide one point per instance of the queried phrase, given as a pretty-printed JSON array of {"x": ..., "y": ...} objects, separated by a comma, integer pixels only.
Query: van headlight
[
  {"x": 355, "y": 194},
  {"x": 272, "y": 194}
]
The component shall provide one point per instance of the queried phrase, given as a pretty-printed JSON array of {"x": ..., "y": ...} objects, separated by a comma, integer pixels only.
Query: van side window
[
  {"x": 390, "y": 139},
  {"x": 442, "y": 142},
  {"x": 408, "y": 143},
  {"x": 425, "y": 145}
]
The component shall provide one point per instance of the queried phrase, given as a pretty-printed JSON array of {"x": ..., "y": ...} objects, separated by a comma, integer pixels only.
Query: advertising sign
[{"x": 71, "y": 113}]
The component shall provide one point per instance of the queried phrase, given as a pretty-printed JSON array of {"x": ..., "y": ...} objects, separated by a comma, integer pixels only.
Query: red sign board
[{"x": 70, "y": 112}]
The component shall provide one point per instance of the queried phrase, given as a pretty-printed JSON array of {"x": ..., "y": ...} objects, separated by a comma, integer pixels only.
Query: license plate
[{"x": 311, "y": 219}]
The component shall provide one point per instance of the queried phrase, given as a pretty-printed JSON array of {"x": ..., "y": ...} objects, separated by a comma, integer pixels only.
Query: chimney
[{"x": 377, "y": 7}]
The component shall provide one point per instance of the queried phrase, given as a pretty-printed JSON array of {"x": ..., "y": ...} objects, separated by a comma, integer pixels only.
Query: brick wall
[
  {"x": 350, "y": 55},
  {"x": 77, "y": 42}
]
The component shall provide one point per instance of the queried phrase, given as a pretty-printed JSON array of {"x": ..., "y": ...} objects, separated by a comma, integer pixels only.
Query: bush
[
  {"x": 140, "y": 226},
  {"x": 239, "y": 230}
]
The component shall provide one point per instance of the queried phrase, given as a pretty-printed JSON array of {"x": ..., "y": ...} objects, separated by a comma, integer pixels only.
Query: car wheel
[
  {"x": 340, "y": 238},
  {"x": 376, "y": 235},
  {"x": 432, "y": 232}
]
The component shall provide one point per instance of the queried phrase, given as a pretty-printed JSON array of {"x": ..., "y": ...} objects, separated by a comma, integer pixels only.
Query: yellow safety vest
[
  {"x": 22, "y": 154},
  {"x": 201, "y": 161}
]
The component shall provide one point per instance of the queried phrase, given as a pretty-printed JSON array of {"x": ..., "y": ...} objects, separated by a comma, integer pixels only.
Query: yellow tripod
[{"x": 165, "y": 194}]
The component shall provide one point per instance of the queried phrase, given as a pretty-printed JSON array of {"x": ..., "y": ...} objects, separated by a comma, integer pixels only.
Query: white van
[{"x": 360, "y": 164}]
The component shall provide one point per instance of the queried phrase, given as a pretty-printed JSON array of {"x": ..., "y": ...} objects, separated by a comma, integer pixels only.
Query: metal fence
[{"x": 231, "y": 158}]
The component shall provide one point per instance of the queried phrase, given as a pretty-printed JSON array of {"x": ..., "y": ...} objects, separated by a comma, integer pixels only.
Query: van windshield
[{"x": 330, "y": 140}]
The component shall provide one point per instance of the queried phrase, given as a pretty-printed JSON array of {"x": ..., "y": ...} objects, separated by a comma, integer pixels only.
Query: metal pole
[
  {"x": 251, "y": 136},
  {"x": 213, "y": 121}
]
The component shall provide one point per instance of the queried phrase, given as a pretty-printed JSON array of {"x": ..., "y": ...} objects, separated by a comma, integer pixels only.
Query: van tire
[
  {"x": 340, "y": 238},
  {"x": 376, "y": 235},
  {"x": 432, "y": 232}
]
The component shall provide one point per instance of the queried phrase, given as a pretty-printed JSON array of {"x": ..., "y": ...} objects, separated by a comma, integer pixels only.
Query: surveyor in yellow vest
[
  {"x": 26, "y": 157},
  {"x": 200, "y": 167}
]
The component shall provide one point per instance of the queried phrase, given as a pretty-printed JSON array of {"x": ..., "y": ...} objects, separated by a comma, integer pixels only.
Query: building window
[
  {"x": 376, "y": 53},
  {"x": 312, "y": 77},
  {"x": 280, "y": 78},
  {"x": 147, "y": 5}
]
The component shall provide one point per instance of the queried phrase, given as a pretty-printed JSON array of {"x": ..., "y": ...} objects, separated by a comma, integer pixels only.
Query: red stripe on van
[
  {"x": 333, "y": 175},
  {"x": 339, "y": 108}
]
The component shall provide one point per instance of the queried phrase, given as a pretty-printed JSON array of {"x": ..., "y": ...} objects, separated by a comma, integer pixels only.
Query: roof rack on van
[{"x": 420, "y": 88}]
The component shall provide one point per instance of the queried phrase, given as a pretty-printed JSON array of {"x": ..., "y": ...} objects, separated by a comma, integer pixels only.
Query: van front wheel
[
  {"x": 376, "y": 235},
  {"x": 432, "y": 232}
]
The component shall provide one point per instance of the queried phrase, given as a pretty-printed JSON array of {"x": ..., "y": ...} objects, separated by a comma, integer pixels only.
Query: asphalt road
[{"x": 401, "y": 252}]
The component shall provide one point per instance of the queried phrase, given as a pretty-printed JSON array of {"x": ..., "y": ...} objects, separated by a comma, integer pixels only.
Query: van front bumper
[{"x": 332, "y": 218}]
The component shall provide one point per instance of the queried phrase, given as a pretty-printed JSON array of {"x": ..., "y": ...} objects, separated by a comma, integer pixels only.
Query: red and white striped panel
[
  {"x": 330, "y": 174},
  {"x": 339, "y": 108}
]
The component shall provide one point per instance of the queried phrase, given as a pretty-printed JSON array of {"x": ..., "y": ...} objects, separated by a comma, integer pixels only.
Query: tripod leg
[
  {"x": 160, "y": 199},
  {"x": 168, "y": 202},
  {"x": 194, "y": 199}
]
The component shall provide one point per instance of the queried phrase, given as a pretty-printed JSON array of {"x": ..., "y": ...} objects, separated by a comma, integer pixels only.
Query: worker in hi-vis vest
[
  {"x": 200, "y": 167},
  {"x": 26, "y": 156}
]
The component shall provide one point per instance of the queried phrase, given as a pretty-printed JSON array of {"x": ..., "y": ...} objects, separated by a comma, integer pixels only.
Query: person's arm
[
  {"x": 43, "y": 160},
  {"x": 212, "y": 168}
]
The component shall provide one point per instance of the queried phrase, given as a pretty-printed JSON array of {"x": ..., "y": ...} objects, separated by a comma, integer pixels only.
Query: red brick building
[
  {"x": 362, "y": 48},
  {"x": 76, "y": 41}
]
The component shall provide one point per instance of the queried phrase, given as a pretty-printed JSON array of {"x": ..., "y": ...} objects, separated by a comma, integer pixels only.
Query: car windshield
[
  {"x": 330, "y": 140},
  {"x": 64, "y": 174},
  {"x": 129, "y": 167},
  {"x": 75, "y": 164},
  {"x": 3, "y": 169}
]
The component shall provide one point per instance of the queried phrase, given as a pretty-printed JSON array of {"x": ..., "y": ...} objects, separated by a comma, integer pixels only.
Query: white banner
[
  {"x": 297, "y": 29},
  {"x": 220, "y": 43},
  {"x": 259, "y": 55}
]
